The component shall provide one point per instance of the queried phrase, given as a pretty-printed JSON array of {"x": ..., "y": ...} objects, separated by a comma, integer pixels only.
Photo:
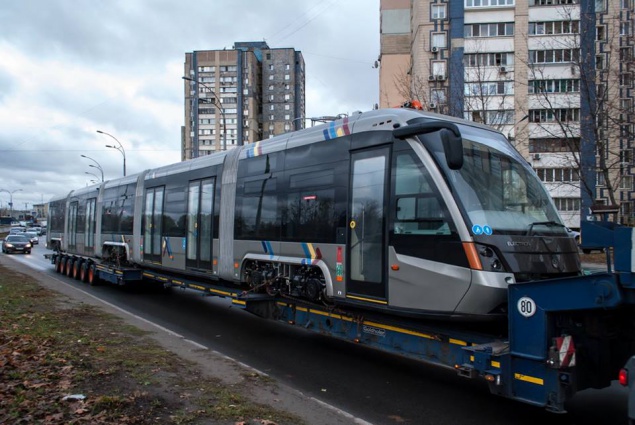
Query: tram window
[
  {"x": 419, "y": 209},
  {"x": 174, "y": 210}
]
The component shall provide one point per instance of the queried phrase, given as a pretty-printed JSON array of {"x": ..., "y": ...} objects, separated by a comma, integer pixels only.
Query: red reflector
[{"x": 623, "y": 378}]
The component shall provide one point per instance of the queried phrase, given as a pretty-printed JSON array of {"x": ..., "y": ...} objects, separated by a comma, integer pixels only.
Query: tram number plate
[{"x": 526, "y": 306}]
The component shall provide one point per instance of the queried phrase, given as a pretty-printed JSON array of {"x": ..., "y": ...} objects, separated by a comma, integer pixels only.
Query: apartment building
[
  {"x": 241, "y": 95},
  {"x": 552, "y": 75}
]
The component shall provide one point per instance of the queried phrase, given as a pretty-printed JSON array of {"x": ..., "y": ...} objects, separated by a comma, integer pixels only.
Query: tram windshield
[{"x": 497, "y": 190}]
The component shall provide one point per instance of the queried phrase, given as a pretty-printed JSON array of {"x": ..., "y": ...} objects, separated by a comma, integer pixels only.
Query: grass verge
[{"x": 71, "y": 363}]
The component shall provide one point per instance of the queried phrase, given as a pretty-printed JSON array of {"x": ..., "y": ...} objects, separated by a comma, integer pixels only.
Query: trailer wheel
[
  {"x": 63, "y": 261},
  {"x": 92, "y": 275},
  {"x": 76, "y": 268},
  {"x": 83, "y": 271},
  {"x": 69, "y": 267},
  {"x": 58, "y": 263}
]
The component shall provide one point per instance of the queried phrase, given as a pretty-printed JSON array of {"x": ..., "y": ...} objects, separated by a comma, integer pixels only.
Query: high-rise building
[
  {"x": 239, "y": 96},
  {"x": 555, "y": 76}
]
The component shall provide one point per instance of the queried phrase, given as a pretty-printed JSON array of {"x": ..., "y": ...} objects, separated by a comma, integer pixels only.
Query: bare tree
[
  {"x": 426, "y": 88},
  {"x": 584, "y": 104}
]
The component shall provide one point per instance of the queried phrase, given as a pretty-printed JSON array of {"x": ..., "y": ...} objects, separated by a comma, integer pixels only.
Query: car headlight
[
  {"x": 8, "y": 245},
  {"x": 28, "y": 245}
]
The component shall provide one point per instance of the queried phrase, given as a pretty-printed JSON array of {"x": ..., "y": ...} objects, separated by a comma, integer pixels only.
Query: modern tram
[{"x": 394, "y": 210}]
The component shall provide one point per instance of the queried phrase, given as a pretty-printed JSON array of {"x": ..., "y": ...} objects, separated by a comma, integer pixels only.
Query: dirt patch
[{"x": 68, "y": 363}]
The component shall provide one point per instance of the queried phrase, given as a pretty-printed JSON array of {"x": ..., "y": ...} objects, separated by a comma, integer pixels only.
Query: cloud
[{"x": 72, "y": 67}]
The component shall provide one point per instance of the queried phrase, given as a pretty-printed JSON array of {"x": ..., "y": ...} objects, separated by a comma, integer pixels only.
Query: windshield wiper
[{"x": 543, "y": 223}]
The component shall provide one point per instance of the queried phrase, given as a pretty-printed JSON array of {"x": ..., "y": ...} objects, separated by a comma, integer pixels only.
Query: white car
[{"x": 33, "y": 237}]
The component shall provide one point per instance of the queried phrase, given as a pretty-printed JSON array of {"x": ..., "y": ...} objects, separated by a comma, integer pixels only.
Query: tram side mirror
[
  {"x": 453, "y": 147},
  {"x": 450, "y": 138}
]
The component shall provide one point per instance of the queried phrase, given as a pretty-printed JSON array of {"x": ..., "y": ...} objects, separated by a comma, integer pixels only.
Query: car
[
  {"x": 36, "y": 229},
  {"x": 574, "y": 234},
  {"x": 16, "y": 243},
  {"x": 18, "y": 230},
  {"x": 33, "y": 237}
]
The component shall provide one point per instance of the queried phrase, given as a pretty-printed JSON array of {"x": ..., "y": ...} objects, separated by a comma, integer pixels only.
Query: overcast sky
[{"x": 71, "y": 67}]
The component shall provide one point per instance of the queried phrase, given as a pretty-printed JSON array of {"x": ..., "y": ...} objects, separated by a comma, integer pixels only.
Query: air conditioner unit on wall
[
  {"x": 432, "y": 78},
  {"x": 502, "y": 70},
  {"x": 536, "y": 156},
  {"x": 441, "y": 77},
  {"x": 433, "y": 105},
  {"x": 434, "y": 49}
]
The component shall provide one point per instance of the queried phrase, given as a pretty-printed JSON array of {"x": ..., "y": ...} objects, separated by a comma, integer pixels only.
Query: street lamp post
[
  {"x": 119, "y": 148},
  {"x": 218, "y": 105},
  {"x": 95, "y": 166},
  {"x": 10, "y": 199},
  {"x": 93, "y": 174}
]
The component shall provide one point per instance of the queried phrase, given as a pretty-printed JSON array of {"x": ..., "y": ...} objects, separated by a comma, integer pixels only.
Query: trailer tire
[
  {"x": 92, "y": 275},
  {"x": 83, "y": 271},
  {"x": 77, "y": 264},
  {"x": 69, "y": 267},
  {"x": 63, "y": 264},
  {"x": 58, "y": 263}
]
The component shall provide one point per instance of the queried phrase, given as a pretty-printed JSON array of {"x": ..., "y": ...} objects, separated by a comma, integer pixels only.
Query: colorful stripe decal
[
  {"x": 167, "y": 248},
  {"x": 266, "y": 246},
  {"x": 312, "y": 255},
  {"x": 254, "y": 150},
  {"x": 333, "y": 131}
]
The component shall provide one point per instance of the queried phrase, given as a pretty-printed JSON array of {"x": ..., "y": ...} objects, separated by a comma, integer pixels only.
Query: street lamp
[
  {"x": 10, "y": 199},
  {"x": 119, "y": 148},
  {"x": 218, "y": 105},
  {"x": 95, "y": 166},
  {"x": 92, "y": 174}
]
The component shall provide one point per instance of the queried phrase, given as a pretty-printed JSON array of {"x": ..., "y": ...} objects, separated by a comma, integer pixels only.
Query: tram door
[
  {"x": 199, "y": 223},
  {"x": 366, "y": 246},
  {"x": 153, "y": 214}
]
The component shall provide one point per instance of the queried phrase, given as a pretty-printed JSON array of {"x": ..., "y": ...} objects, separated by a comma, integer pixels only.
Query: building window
[
  {"x": 553, "y": 27},
  {"x": 554, "y": 115},
  {"x": 491, "y": 88},
  {"x": 437, "y": 11},
  {"x": 287, "y": 97},
  {"x": 287, "y": 117},
  {"x": 272, "y": 107},
  {"x": 438, "y": 96},
  {"x": 567, "y": 175},
  {"x": 488, "y": 59},
  {"x": 502, "y": 29},
  {"x": 287, "y": 107},
  {"x": 287, "y": 77},
  {"x": 554, "y": 56},
  {"x": 551, "y": 2},
  {"x": 567, "y": 204},
  {"x": 438, "y": 40},
  {"x": 554, "y": 86},
  {"x": 438, "y": 68},
  {"x": 488, "y": 3}
]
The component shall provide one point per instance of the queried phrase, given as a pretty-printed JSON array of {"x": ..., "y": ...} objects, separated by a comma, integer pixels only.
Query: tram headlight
[{"x": 490, "y": 259}]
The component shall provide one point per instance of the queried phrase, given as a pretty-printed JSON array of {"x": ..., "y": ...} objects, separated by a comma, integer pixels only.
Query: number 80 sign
[{"x": 526, "y": 306}]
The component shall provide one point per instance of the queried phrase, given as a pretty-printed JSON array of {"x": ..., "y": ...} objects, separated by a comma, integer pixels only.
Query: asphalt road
[{"x": 374, "y": 386}]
